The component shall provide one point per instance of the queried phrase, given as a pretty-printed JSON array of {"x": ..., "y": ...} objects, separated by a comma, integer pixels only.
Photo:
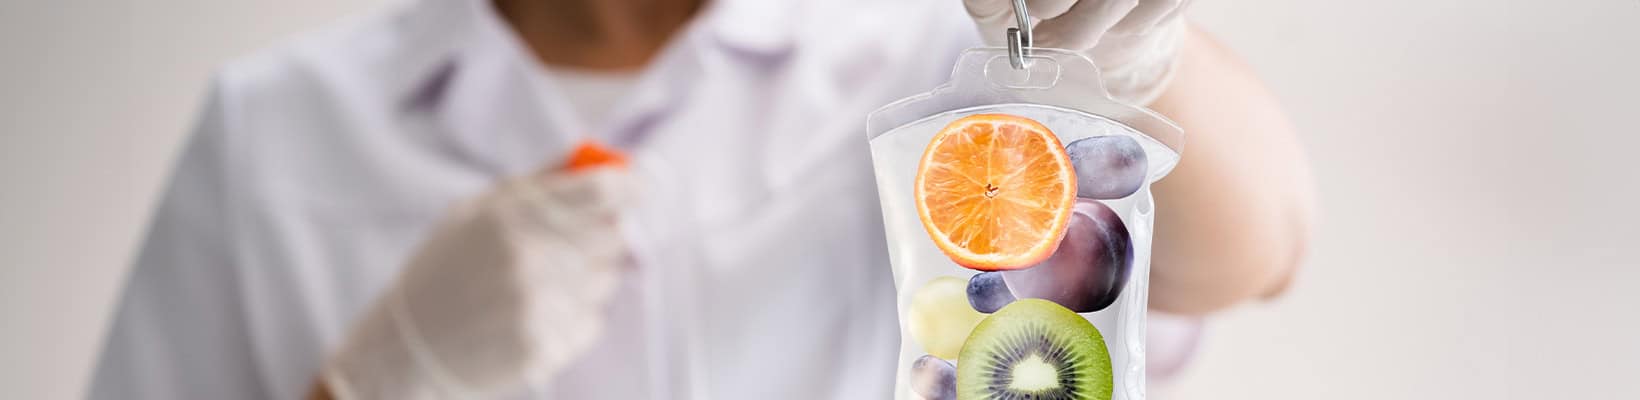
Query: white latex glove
[
  {"x": 508, "y": 288},
  {"x": 1134, "y": 42}
]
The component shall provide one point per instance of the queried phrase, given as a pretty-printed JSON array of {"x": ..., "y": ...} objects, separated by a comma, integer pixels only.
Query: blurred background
[{"x": 1476, "y": 170}]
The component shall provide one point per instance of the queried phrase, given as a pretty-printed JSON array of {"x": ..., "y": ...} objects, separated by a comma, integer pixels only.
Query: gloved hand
[
  {"x": 1134, "y": 42},
  {"x": 508, "y": 288}
]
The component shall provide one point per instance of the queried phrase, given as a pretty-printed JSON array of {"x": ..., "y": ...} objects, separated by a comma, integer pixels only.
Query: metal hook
[{"x": 1019, "y": 37}]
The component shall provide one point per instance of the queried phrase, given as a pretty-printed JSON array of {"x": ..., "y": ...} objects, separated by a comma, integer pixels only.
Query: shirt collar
[
  {"x": 479, "y": 81},
  {"x": 764, "y": 27}
]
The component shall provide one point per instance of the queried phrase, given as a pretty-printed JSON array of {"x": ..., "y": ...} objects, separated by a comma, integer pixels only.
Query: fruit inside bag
[{"x": 1018, "y": 213}]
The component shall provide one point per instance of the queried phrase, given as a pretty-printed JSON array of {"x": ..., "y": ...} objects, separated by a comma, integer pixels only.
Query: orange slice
[
  {"x": 593, "y": 154},
  {"x": 995, "y": 191}
]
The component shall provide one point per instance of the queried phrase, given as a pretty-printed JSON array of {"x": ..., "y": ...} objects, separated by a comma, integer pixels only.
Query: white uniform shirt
[
  {"x": 318, "y": 165},
  {"x": 590, "y": 95}
]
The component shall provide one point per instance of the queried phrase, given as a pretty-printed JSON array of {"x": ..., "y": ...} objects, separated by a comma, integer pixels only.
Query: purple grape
[
  {"x": 934, "y": 378},
  {"x": 1107, "y": 167},
  {"x": 988, "y": 293},
  {"x": 1088, "y": 270}
]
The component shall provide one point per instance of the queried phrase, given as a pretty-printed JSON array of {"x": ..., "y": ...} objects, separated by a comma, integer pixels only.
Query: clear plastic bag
[{"x": 972, "y": 178}]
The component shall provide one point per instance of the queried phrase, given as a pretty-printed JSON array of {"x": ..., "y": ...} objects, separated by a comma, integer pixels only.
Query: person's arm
[
  {"x": 178, "y": 330},
  {"x": 1233, "y": 218}
]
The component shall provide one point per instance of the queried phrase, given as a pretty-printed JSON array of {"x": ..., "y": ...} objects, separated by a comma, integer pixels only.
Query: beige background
[{"x": 1476, "y": 164}]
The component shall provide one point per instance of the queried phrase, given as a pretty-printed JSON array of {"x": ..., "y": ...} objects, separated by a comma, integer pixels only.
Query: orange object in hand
[{"x": 590, "y": 154}]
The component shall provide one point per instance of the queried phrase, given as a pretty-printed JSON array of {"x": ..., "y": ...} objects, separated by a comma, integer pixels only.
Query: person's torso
[{"x": 760, "y": 268}]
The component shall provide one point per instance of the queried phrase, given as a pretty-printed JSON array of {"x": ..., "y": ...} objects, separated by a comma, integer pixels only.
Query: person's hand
[
  {"x": 508, "y": 288},
  {"x": 1134, "y": 42}
]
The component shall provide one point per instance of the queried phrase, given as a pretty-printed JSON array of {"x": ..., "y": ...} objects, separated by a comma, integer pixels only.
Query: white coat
[{"x": 318, "y": 165}]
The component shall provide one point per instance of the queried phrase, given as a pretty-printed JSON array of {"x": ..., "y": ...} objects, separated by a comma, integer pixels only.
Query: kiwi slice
[{"x": 1034, "y": 349}]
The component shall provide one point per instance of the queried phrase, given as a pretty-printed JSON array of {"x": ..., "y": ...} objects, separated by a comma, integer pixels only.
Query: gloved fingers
[
  {"x": 597, "y": 189},
  {"x": 559, "y": 200},
  {"x": 566, "y": 311},
  {"x": 1158, "y": 48},
  {"x": 1003, "y": 10},
  {"x": 558, "y": 254},
  {"x": 573, "y": 223},
  {"x": 597, "y": 246},
  {"x": 1083, "y": 25},
  {"x": 994, "y": 17},
  {"x": 566, "y": 292},
  {"x": 1045, "y": 9},
  {"x": 559, "y": 334},
  {"x": 559, "y": 224},
  {"x": 1149, "y": 14}
]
